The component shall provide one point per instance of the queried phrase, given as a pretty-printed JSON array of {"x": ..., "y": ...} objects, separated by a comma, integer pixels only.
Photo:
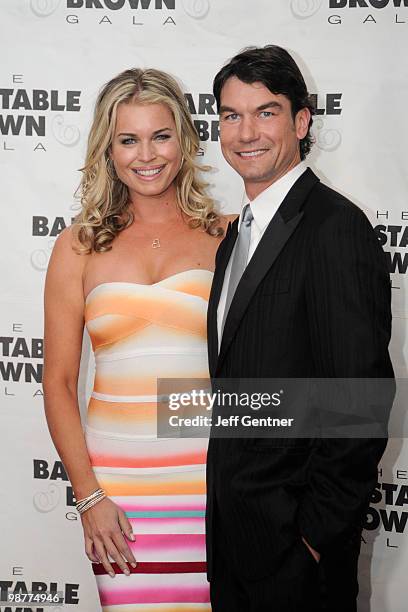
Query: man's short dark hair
[{"x": 278, "y": 71}]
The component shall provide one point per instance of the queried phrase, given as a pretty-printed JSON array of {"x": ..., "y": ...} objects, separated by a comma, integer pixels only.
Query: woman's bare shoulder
[
  {"x": 68, "y": 244},
  {"x": 232, "y": 217},
  {"x": 226, "y": 219},
  {"x": 67, "y": 258}
]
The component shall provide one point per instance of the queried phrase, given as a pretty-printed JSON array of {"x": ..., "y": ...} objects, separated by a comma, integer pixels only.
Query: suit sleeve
[{"x": 348, "y": 297}]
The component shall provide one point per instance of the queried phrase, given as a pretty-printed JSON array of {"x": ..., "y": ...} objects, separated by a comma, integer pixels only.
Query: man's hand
[{"x": 313, "y": 552}]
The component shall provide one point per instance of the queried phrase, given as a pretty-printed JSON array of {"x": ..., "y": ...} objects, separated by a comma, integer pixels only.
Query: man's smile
[{"x": 251, "y": 154}]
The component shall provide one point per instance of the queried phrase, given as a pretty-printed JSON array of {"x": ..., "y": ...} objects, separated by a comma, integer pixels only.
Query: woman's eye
[
  {"x": 162, "y": 137},
  {"x": 129, "y": 140}
]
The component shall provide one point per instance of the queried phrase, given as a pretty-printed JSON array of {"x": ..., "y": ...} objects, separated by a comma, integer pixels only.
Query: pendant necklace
[
  {"x": 156, "y": 240},
  {"x": 156, "y": 244}
]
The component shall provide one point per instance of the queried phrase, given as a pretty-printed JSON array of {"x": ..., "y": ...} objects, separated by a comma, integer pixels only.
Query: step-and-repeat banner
[{"x": 55, "y": 56}]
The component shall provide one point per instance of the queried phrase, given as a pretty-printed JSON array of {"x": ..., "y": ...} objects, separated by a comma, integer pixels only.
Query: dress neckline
[{"x": 146, "y": 284}]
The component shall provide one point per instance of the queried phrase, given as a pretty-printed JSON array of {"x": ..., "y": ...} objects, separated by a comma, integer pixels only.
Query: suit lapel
[
  {"x": 222, "y": 259},
  {"x": 276, "y": 235}
]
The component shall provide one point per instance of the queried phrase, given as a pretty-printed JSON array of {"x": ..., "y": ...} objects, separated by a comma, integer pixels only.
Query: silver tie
[{"x": 240, "y": 258}]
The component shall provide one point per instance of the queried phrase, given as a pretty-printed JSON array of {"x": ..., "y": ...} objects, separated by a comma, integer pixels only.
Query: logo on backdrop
[
  {"x": 21, "y": 360},
  {"x": 203, "y": 108},
  {"x": 49, "y": 228},
  {"x": 393, "y": 236},
  {"x": 387, "y": 507},
  {"x": 106, "y": 12},
  {"x": 326, "y": 138},
  {"x": 34, "y": 113},
  {"x": 338, "y": 12},
  {"x": 117, "y": 5},
  {"x": 55, "y": 489},
  {"x": 17, "y": 589},
  {"x": 302, "y": 9},
  {"x": 197, "y": 9}
]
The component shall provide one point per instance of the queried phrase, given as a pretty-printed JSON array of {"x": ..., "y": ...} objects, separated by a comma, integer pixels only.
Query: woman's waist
[
  {"x": 135, "y": 351},
  {"x": 148, "y": 415},
  {"x": 139, "y": 387},
  {"x": 148, "y": 373},
  {"x": 133, "y": 441}
]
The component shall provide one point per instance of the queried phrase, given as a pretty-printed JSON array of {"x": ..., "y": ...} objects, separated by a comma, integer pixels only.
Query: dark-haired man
[{"x": 301, "y": 290}]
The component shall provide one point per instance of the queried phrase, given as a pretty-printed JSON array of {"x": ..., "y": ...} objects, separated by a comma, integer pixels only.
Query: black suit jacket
[{"x": 313, "y": 302}]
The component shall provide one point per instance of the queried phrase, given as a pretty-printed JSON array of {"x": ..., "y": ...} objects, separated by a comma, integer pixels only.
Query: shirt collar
[{"x": 265, "y": 205}]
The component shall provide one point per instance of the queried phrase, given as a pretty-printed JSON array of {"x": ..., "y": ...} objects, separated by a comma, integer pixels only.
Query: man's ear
[{"x": 302, "y": 121}]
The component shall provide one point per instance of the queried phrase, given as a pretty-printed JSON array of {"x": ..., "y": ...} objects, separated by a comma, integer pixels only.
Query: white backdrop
[{"x": 55, "y": 56}]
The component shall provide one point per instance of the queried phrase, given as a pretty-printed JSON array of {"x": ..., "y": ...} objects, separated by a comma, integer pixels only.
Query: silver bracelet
[{"x": 84, "y": 504}]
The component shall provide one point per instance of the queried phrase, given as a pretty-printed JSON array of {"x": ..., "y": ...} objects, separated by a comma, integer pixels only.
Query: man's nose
[{"x": 247, "y": 132}]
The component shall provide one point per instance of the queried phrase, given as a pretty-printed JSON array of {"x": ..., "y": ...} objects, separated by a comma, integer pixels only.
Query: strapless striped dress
[{"x": 140, "y": 333}]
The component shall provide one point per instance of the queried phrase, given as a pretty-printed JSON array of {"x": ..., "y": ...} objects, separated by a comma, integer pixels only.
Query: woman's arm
[
  {"x": 63, "y": 330},
  {"x": 64, "y": 324}
]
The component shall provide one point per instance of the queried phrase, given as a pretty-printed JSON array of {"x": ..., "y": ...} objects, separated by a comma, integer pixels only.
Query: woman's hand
[{"x": 105, "y": 526}]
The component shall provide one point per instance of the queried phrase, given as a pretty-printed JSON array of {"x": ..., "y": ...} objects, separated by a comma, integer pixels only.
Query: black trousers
[{"x": 299, "y": 585}]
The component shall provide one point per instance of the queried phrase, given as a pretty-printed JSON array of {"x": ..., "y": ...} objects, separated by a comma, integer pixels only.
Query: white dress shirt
[{"x": 263, "y": 207}]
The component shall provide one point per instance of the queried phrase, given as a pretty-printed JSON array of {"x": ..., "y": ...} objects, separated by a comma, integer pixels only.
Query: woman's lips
[{"x": 148, "y": 173}]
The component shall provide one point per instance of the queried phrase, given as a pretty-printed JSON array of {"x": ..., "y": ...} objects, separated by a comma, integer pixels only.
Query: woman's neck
[{"x": 162, "y": 208}]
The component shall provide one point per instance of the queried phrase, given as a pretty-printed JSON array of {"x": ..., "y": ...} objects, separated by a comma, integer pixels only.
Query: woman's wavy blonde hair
[{"x": 104, "y": 198}]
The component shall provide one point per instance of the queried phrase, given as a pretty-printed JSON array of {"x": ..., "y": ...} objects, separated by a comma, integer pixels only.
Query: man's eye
[
  {"x": 266, "y": 114},
  {"x": 231, "y": 117}
]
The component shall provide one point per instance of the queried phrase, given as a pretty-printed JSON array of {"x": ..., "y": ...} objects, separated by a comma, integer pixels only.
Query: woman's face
[{"x": 145, "y": 148}]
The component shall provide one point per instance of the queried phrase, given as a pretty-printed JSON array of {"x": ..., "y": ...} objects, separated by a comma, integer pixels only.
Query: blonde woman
[{"x": 135, "y": 268}]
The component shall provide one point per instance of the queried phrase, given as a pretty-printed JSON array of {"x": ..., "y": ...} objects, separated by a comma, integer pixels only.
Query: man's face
[{"x": 259, "y": 137}]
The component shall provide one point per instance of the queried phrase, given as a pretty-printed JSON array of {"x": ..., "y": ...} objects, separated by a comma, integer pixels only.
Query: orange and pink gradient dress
[{"x": 140, "y": 333}]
